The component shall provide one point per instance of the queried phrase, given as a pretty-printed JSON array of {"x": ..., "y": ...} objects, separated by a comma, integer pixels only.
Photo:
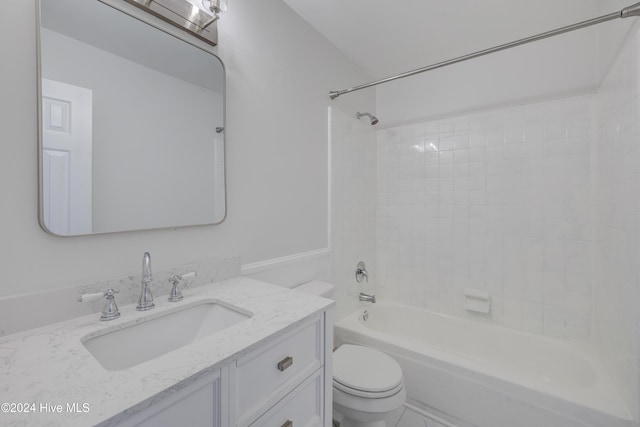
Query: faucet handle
[
  {"x": 90, "y": 297},
  {"x": 176, "y": 292},
  {"x": 110, "y": 310},
  {"x": 97, "y": 295}
]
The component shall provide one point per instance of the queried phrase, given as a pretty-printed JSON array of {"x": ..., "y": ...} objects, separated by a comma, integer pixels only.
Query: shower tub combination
[{"x": 485, "y": 375}]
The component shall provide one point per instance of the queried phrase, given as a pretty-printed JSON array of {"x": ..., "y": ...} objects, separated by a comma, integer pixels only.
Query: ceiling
[{"x": 386, "y": 38}]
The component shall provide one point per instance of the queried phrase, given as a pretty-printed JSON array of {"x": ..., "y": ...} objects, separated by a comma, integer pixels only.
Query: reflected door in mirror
[{"x": 66, "y": 157}]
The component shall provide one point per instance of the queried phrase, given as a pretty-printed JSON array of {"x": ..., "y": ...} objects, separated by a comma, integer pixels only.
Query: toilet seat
[
  {"x": 367, "y": 394},
  {"x": 366, "y": 372}
]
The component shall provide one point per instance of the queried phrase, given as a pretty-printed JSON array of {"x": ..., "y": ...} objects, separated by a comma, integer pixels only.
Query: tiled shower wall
[
  {"x": 353, "y": 206},
  {"x": 617, "y": 254},
  {"x": 498, "y": 201}
]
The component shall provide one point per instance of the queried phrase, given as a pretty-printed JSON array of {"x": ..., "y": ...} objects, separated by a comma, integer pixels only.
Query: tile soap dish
[{"x": 477, "y": 301}]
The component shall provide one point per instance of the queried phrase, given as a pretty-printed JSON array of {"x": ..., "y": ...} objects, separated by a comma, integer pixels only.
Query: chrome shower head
[{"x": 374, "y": 119}]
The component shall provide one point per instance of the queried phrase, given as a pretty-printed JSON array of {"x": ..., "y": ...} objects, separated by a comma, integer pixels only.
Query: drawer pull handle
[
  {"x": 288, "y": 423},
  {"x": 282, "y": 365}
]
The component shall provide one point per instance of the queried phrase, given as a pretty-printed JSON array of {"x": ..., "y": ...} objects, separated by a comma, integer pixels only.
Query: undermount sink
[{"x": 145, "y": 340}]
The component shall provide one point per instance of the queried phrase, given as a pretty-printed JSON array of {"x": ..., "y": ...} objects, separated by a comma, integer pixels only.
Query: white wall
[
  {"x": 561, "y": 66},
  {"x": 279, "y": 72},
  {"x": 617, "y": 254},
  {"x": 521, "y": 75},
  {"x": 611, "y": 36}
]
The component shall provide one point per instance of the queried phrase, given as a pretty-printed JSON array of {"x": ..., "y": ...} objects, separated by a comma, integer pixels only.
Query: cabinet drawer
[
  {"x": 301, "y": 408},
  {"x": 267, "y": 374}
]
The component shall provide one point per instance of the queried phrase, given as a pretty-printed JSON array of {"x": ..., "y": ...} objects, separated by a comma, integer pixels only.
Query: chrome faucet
[
  {"x": 367, "y": 297},
  {"x": 145, "y": 302}
]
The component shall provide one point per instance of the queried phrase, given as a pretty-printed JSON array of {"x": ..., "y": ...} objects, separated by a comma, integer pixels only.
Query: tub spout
[{"x": 367, "y": 297}]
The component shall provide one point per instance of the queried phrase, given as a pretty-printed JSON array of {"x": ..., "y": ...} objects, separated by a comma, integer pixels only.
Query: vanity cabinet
[
  {"x": 273, "y": 368},
  {"x": 281, "y": 383},
  {"x": 198, "y": 404}
]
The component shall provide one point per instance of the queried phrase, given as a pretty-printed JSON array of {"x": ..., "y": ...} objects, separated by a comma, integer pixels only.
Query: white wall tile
[
  {"x": 509, "y": 197},
  {"x": 616, "y": 252}
]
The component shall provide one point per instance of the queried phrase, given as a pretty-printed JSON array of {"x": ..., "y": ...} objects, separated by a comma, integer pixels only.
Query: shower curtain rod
[{"x": 633, "y": 10}]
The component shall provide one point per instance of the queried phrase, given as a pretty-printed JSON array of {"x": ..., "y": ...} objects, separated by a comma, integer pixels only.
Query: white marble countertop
[{"x": 50, "y": 365}]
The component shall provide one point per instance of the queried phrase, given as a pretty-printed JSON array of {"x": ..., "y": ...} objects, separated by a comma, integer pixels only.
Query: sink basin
[{"x": 155, "y": 336}]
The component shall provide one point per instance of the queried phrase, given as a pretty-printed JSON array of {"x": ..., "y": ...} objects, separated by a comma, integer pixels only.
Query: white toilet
[{"x": 367, "y": 384}]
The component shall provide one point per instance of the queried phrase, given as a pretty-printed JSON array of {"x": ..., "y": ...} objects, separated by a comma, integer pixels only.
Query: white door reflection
[{"x": 67, "y": 158}]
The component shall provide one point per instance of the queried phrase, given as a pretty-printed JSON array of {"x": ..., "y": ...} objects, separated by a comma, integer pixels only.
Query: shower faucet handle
[{"x": 361, "y": 272}]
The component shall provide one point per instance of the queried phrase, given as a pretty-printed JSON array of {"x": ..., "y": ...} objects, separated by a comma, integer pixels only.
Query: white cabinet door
[{"x": 197, "y": 405}]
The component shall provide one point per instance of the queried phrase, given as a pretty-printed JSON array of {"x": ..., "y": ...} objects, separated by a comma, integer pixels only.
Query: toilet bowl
[{"x": 367, "y": 384}]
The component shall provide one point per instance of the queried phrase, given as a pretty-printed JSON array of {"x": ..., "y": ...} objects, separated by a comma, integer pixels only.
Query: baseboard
[{"x": 430, "y": 416}]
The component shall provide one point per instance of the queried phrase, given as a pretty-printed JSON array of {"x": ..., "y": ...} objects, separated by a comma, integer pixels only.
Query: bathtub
[{"x": 484, "y": 375}]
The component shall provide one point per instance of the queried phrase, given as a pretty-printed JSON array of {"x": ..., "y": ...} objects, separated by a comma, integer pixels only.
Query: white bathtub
[{"x": 488, "y": 376}]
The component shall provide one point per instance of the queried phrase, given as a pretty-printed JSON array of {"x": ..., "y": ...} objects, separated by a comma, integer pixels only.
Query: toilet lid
[{"x": 365, "y": 369}]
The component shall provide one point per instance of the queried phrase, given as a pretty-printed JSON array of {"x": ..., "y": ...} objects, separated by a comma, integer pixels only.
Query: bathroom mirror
[{"x": 131, "y": 123}]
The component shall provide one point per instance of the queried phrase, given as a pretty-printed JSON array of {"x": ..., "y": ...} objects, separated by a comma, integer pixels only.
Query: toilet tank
[{"x": 317, "y": 287}]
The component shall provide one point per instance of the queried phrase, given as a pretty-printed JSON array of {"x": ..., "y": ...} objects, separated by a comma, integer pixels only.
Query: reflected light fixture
[
  {"x": 211, "y": 8},
  {"x": 194, "y": 16},
  {"x": 216, "y": 6}
]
